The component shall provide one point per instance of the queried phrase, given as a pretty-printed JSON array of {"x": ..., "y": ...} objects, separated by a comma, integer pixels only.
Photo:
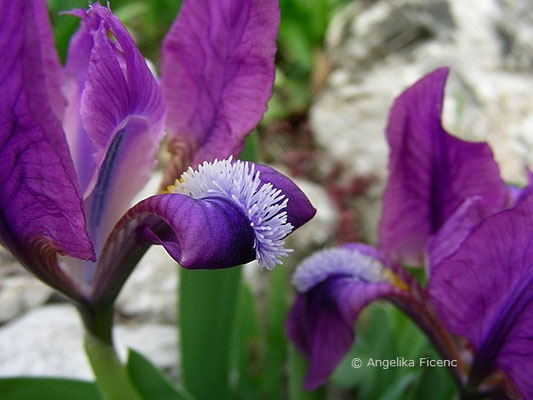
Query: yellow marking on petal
[
  {"x": 395, "y": 279},
  {"x": 172, "y": 188}
]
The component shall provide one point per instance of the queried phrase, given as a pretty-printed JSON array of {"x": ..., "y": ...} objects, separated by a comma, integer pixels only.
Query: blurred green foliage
[
  {"x": 383, "y": 332},
  {"x": 301, "y": 34}
]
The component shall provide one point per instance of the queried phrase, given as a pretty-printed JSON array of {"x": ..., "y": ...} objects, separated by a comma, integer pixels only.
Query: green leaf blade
[{"x": 30, "y": 388}]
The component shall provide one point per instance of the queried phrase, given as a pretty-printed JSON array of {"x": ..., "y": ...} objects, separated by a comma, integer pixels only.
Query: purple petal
[
  {"x": 214, "y": 219},
  {"x": 79, "y": 54},
  {"x": 335, "y": 285},
  {"x": 454, "y": 231},
  {"x": 218, "y": 73},
  {"x": 40, "y": 200},
  {"x": 484, "y": 291},
  {"x": 299, "y": 209},
  {"x": 431, "y": 172},
  {"x": 122, "y": 112},
  {"x": 49, "y": 58},
  {"x": 517, "y": 194}
]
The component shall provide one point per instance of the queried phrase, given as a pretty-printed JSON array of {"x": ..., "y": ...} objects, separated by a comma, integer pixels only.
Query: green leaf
[
  {"x": 47, "y": 389},
  {"x": 276, "y": 341},
  {"x": 111, "y": 376},
  {"x": 150, "y": 382},
  {"x": 398, "y": 388},
  {"x": 246, "y": 357},
  {"x": 435, "y": 383},
  {"x": 207, "y": 308},
  {"x": 297, "y": 371}
]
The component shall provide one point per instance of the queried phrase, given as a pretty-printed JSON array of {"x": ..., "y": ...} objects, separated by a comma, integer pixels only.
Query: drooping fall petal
[
  {"x": 431, "y": 172},
  {"x": 122, "y": 111},
  {"x": 218, "y": 73},
  {"x": 225, "y": 214},
  {"x": 334, "y": 286},
  {"x": 484, "y": 291},
  {"x": 40, "y": 199}
]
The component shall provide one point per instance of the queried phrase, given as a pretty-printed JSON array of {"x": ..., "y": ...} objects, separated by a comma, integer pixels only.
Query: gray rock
[
  {"x": 19, "y": 290},
  {"x": 149, "y": 294},
  {"x": 319, "y": 230},
  {"x": 48, "y": 341},
  {"x": 488, "y": 96},
  {"x": 20, "y": 293}
]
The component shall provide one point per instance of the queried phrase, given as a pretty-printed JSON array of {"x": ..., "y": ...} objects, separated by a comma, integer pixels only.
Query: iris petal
[
  {"x": 218, "y": 73},
  {"x": 40, "y": 199},
  {"x": 431, "y": 172},
  {"x": 122, "y": 111},
  {"x": 484, "y": 291},
  {"x": 211, "y": 231},
  {"x": 335, "y": 285}
]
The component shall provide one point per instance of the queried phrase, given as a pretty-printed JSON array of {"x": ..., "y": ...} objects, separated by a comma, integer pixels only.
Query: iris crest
[{"x": 262, "y": 203}]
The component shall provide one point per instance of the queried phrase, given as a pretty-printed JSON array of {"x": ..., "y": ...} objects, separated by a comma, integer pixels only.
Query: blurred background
[{"x": 340, "y": 64}]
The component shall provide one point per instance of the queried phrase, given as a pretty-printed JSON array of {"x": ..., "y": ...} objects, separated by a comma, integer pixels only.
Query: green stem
[
  {"x": 111, "y": 375},
  {"x": 98, "y": 322},
  {"x": 275, "y": 340}
]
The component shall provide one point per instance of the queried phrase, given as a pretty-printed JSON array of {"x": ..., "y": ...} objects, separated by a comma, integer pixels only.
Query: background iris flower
[{"x": 446, "y": 203}]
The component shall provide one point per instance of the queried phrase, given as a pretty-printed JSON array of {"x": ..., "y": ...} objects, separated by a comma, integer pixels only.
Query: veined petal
[
  {"x": 484, "y": 291},
  {"x": 50, "y": 60},
  {"x": 334, "y": 285},
  {"x": 123, "y": 113},
  {"x": 222, "y": 215},
  {"x": 218, "y": 72},
  {"x": 76, "y": 68},
  {"x": 431, "y": 172},
  {"x": 40, "y": 200}
]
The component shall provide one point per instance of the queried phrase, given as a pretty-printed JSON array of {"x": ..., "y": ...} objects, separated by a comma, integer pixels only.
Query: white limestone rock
[
  {"x": 149, "y": 294},
  {"x": 48, "y": 341}
]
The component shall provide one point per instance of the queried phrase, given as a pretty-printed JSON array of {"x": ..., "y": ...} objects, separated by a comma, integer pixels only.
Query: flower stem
[
  {"x": 111, "y": 376},
  {"x": 98, "y": 321},
  {"x": 435, "y": 332}
]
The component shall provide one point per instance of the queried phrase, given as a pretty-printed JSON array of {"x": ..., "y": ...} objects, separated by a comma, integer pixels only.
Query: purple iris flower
[
  {"x": 444, "y": 202},
  {"x": 78, "y": 143},
  {"x": 217, "y": 71},
  {"x": 431, "y": 173}
]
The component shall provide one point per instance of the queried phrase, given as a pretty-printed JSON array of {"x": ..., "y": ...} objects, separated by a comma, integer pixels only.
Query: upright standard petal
[
  {"x": 40, "y": 200},
  {"x": 123, "y": 113},
  {"x": 224, "y": 214},
  {"x": 334, "y": 285},
  {"x": 76, "y": 68},
  {"x": 431, "y": 172},
  {"x": 484, "y": 291},
  {"x": 218, "y": 72}
]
